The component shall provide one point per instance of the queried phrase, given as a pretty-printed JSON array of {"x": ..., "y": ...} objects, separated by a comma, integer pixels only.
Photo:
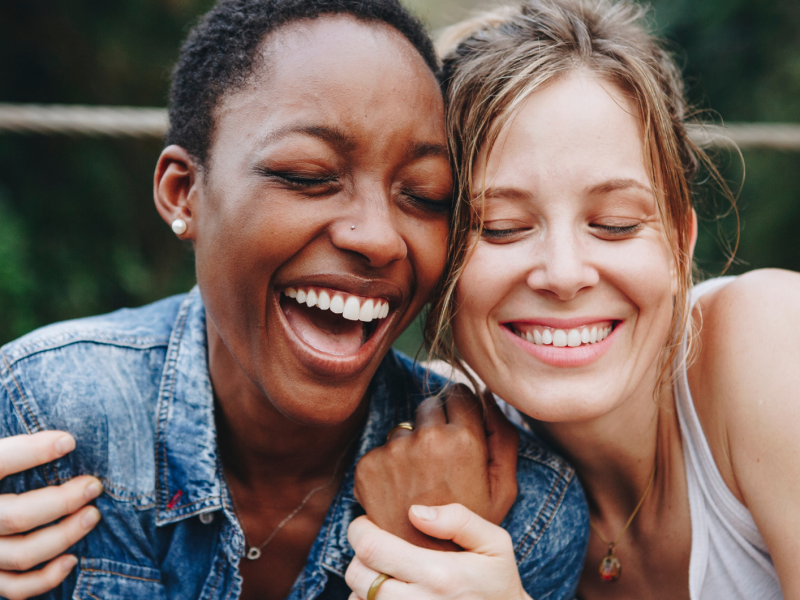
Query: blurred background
[{"x": 78, "y": 231}]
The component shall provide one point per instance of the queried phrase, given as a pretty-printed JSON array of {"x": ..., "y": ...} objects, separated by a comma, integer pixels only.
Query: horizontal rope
[
  {"x": 83, "y": 120},
  {"x": 152, "y": 122},
  {"x": 778, "y": 136}
]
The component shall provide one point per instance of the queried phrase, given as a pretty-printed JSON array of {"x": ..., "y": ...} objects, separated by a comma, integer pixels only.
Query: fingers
[
  {"x": 22, "y": 452},
  {"x": 360, "y": 578},
  {"x": 398, "y": 432},
  {"x": 385, "y": 553},
  {"x": 430, "y": 413},
  {"x": 502, "y": 440},
  {"x": 464, "y": 527},
  {"x": 464, "y": 409},
  {"x": 15, "y": 586},
  {"x": 20, "y": 513},
  {"x": 23, "y": 552}
]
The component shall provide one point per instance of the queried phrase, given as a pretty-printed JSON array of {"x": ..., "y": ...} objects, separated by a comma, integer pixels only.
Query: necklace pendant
[
  {"x": 610, "y": 567},
  {"x": 253, "y": 553}
]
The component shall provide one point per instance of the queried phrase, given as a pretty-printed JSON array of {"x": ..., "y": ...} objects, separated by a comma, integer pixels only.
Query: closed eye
[
  {"x": 617, "y": 231},
  {"x": 501, "y": 235},
  {"x": 298, "y": 180},
  {"x": 437, "y": 206}
]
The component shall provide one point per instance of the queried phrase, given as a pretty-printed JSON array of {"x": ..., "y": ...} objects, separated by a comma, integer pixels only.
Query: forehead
[
  {"x": 337, "y": 71},
  {"x": 579, "y": 127}
]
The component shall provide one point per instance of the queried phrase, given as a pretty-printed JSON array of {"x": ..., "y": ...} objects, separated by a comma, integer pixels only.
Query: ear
[
  {"x": 175, "y": 188},
  {"x": 693, "y": 233}
]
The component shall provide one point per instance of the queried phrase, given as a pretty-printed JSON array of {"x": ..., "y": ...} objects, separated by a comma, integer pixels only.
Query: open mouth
[
  {"x": 332, "y": 321},
  {"x": 575, "y": 346},
  {"x": 584, "y": 335}
]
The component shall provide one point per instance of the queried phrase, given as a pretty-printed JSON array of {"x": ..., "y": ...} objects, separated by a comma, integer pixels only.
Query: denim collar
[{"x": 190, "y": 480}]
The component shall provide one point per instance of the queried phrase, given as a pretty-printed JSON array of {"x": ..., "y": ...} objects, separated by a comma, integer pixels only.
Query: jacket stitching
[
  {"x": 166, "y": 399},
  {"x": 550, "y": 520},
  {"x": 83, "y": 338},
  {"x": 216, "y": 579},
  {"x": 102, "y": 572},
  {"x": 545, "y": 506},
  {"x": 21, "y": 393}
]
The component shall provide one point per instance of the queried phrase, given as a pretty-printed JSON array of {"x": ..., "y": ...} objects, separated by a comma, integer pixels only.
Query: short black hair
[{"x": 220, "y": 53}]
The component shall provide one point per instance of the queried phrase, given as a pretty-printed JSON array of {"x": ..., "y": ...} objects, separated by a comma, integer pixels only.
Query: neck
[
  {"x": 261, "y": 447},
  {"x": 614, "y": 454}
]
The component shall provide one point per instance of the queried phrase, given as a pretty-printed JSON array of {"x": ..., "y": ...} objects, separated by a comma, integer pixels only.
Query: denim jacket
[{"x": 134, "y": 390}]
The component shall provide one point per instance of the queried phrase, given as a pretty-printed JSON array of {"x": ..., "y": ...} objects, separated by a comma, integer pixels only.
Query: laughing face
[
  {"x": 566, "y": 302},
  {"x": 322, "y": 217}
]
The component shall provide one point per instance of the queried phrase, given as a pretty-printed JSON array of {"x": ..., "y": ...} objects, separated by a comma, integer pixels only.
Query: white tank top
[{"x": 729, "y": 558}]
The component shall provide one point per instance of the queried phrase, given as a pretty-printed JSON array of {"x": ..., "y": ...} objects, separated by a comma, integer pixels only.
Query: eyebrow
[
  {"x": 331, "y": 135},
  {"x": 612, "y": 185},
  {"x": 505, "y": 192},
  {"x": 424, "y": 149}
]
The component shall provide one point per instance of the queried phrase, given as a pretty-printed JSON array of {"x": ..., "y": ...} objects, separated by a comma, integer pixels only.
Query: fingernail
[
  {"x": 65, "y": 444},
  {"x": 91, "y": 518},
  {"x": 426, "y": 513},
  {"x": 68, "y": 563},
  {"x": 92, "y": 491}
]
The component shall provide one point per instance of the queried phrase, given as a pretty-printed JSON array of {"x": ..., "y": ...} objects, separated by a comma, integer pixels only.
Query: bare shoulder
[{"x": 746, "y": 380}]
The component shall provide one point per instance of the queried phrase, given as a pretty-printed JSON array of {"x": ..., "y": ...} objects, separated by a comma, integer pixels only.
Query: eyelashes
[
  {"x": 617, "y": 231},
  {"x": 325, "y": 184},
  {"x": 608, "y": 232}
]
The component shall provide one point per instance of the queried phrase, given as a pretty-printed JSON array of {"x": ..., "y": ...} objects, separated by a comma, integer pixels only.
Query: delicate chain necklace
[
  {"x": 610, "y": 567},
  {"x": 254, "y": 552}
]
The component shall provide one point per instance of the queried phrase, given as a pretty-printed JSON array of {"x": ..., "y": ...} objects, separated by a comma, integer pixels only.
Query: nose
[
  {"x": 563, "y": 266},
  {"x": 370, "y": 230}
]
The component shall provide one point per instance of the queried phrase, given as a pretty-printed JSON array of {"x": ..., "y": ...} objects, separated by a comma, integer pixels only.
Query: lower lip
[
  {"x": 578, "y": 356},
  {"x": 331, "y": 365}
]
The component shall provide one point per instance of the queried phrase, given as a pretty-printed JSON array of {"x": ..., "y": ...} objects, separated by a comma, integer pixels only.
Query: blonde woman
[{"x": 571, "y": 297}]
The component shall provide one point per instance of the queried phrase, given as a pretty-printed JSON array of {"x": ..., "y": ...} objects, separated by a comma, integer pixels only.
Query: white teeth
[
  {"x": 311, "y": 298},
  {"x": 351, "y": 309},
  {"x": 324, "y": 301},
  {"x": 365, "y": 314},
  {"x": 337, "y": 304},
  {"x": 562, "y": 338},
  {"x": 573, "y": 338}
]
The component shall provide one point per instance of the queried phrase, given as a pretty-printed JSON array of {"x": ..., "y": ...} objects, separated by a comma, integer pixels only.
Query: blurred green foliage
[{"x": 78, "y": 231}]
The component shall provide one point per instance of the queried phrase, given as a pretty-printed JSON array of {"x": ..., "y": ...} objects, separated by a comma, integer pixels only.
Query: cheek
[
  {"x": 427, "y": 249},
  {"x": 481, "y": 288}
]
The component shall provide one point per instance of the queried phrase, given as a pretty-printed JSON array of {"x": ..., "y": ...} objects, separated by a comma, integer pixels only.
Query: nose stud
[{"x": 352, "y": 227}]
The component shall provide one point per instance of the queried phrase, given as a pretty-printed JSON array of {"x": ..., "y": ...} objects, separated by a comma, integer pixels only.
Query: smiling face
[
  {"x": 322, "y": 218},
  {"x": 566, "y": 302}
]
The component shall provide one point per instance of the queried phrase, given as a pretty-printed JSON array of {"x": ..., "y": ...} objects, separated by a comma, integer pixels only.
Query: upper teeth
[
  {"x": 352, "y": 308},
  {"x": 545, "y": 336}
]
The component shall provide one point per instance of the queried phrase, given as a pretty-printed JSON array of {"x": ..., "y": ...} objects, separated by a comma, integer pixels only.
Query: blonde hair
[{"x": 492, "y": 63}]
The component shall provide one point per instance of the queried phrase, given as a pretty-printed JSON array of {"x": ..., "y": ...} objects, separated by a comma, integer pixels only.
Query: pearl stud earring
[
  {"x": 179, "y": 226},
  {"x": 352, "y": 227}
]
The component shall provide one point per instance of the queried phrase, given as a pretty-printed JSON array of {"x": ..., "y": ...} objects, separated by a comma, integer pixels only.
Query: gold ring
[
  {"x": 404, "y": 425},
  {"x": 373, "y": 589}
]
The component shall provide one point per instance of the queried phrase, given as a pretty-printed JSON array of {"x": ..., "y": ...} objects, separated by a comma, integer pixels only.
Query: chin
[{"x": 316, "y": 404}]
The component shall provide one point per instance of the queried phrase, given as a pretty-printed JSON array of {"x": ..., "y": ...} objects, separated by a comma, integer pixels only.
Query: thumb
[{"x": 458, "y": 523}]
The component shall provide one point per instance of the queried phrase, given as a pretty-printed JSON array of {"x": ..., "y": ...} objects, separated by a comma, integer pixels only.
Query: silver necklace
[{"x": 254, "y": 552}]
